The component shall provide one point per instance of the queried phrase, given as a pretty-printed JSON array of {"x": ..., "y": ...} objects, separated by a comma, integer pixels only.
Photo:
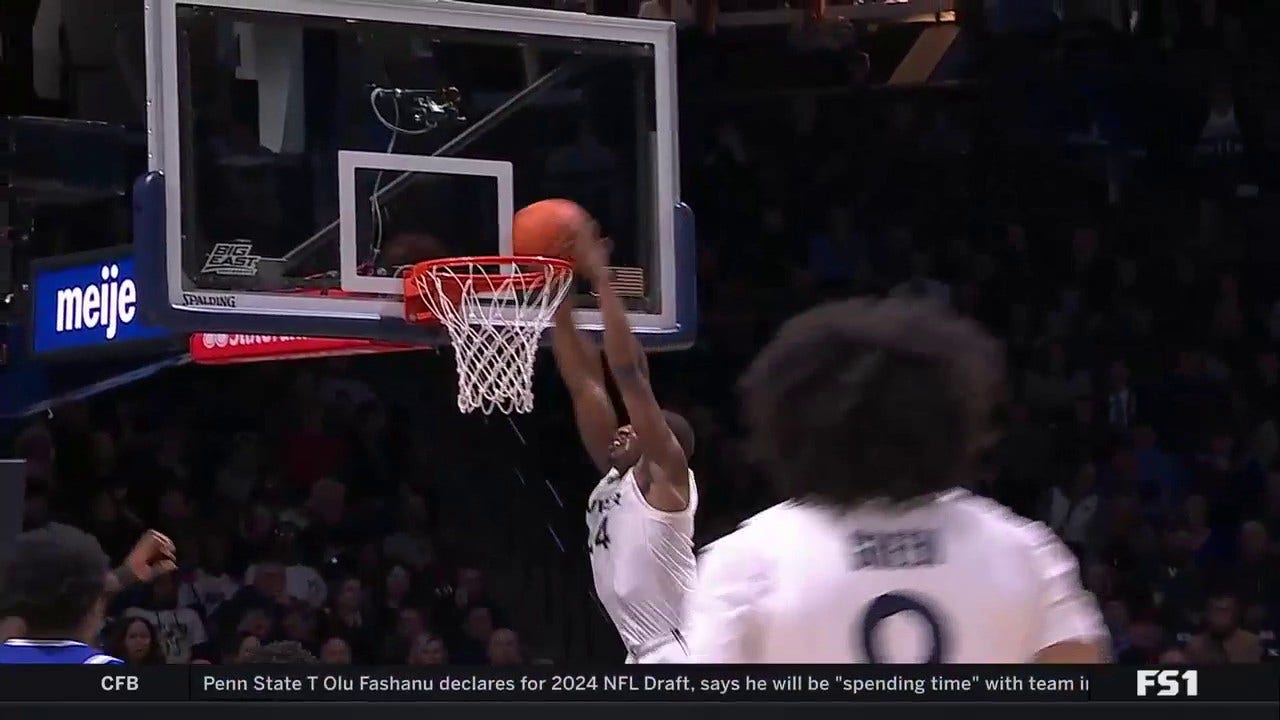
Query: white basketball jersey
[
  {"x": 641, "y": 558},
  {"x": 958, "y": 580}
]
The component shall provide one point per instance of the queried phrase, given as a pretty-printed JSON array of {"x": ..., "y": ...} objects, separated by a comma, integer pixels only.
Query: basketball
[{"x": 546, "y": 228}]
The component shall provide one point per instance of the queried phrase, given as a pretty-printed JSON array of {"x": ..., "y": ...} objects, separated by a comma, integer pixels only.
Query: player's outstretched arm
[
  {"x": 631, "y": 373},
  {"x": 580, "y": 368}
]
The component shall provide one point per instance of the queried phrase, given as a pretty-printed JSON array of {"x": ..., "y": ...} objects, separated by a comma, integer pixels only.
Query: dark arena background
[{"x": 1097, "y": 182}]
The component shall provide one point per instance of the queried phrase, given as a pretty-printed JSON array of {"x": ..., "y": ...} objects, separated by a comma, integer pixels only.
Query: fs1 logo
[
  {"x": 234, "y": 259},
  {"x": 1168, "y": 683}
]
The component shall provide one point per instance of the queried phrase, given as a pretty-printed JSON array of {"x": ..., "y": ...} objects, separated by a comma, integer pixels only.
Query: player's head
[
  {"x": 55, "y": 581},
  {"x": 283, "y": 652},
  {"x": 624, "y": 452},
  {"x": 862, "y": 400}
]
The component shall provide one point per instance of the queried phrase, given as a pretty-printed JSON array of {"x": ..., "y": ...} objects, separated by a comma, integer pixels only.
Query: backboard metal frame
[
  {"x": 158, "y": 194},
  {"x": 350, "y": 161}
]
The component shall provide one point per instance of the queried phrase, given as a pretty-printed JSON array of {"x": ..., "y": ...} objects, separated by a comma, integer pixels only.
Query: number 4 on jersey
[{"x": 601, "y": 538}]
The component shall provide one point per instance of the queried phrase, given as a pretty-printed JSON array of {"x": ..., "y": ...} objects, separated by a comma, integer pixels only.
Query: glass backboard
[{"x": 306, "y": 152}]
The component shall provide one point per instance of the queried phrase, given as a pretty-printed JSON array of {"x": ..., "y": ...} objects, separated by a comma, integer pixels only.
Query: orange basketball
[{"x": 546, "y": 228}]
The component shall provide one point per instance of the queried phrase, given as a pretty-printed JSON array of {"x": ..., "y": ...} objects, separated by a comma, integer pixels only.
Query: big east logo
[{"x": 231, "y": 259}]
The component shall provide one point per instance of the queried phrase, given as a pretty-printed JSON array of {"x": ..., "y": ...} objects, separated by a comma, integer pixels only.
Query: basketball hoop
[{"x": 495, "y": 309}]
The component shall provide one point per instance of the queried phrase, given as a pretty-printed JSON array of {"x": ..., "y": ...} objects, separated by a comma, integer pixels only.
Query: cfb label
[{"x": 120, "y": 683}]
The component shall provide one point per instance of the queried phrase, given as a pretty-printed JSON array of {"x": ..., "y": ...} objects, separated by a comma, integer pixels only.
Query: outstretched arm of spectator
[{"x": 153, "y": 555}]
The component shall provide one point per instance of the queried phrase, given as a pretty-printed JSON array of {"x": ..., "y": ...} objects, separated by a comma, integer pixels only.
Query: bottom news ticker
[{"x": 671, "y": 683}]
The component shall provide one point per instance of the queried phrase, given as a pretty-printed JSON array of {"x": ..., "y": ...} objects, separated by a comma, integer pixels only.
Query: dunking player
[
  {"x": 869, "y": 415},
  {"x": 57, "y": 583},
  {"x": 640, "y": 515}
]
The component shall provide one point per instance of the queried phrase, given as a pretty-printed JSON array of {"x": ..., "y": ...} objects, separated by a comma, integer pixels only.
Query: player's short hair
[
  {"x": 862, "y": 400},
  {"x": 682, "y": 430},
  {"x": 53, "y": 578},
  {"x": 281, "y": 652}
]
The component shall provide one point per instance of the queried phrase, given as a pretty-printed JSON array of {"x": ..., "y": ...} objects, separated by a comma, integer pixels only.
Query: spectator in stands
[
  {"x": 1177, "y": 583},
  {"x": 114, "y": 526},
  {"x": 408, "y": 624},
  {"x": 1054, "y": 386},
  {"x": 240, "y": 475},
  {"x": 260, "y": 623},
  {"x": 243, "y": 647},
  {"x": 258, "y": 606},
  {"x": 1122, "y": 405},
  {"x": 300, "y": 625},
  {"x": 1223, "y": 640},
  {"x": 922, "y": 284},
  {"x": 312, "y": 450},
  {"x": 1253, "y": 573},
  {"x": 428, "y": 649},
  {"x": 469, "y": 589},
  {"x": 1145, "y": 639},
  {"x": 1072, "y": 511},
  {"x": 135, "y": 641},
  {"x": 335, "y": 651},
  {"x": 472, "y": 645},
  {"x": 209, "y": 585},
  {"x": 504, "y": 648},
  {"x": 172, "y": 458},
  {"x": 254, "y": 534},
  {"x": 176, "y": 511},
  {"x": 301, "y": 581},
  {"x": 180, "y": 631},
  {"x": 411, "y": 544},
  {"x": 324, "y": 516},
  {"x": 346, "y": 617},
  {"x": 282, "y": 652},
  {"x": 1205, "y": 544},
  {"x": 397, "y": 593},
  {"x": 1161, "y": 479}
]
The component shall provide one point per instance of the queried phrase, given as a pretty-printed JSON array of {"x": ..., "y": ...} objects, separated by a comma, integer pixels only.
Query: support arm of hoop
[
  {"x": 630, "y": 370},
  {"x": 578, "y": 361}
]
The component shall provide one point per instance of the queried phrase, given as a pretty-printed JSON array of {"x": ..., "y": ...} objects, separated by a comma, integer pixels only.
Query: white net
[{"x": 494, "y": 319}]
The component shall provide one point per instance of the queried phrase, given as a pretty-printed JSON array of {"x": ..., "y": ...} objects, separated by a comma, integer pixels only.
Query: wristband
[{"x": 125, "y": 576}]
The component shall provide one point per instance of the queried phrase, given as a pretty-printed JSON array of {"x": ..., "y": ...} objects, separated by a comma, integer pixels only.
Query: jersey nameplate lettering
[{"x": 898, "y": 550}]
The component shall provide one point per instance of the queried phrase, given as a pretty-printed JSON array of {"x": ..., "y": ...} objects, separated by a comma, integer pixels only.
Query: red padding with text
[{"x": 224, "y": 348}]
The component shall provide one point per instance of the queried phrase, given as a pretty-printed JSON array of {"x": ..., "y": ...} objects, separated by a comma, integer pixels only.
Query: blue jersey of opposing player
[{"x": 18, "y": 651}]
